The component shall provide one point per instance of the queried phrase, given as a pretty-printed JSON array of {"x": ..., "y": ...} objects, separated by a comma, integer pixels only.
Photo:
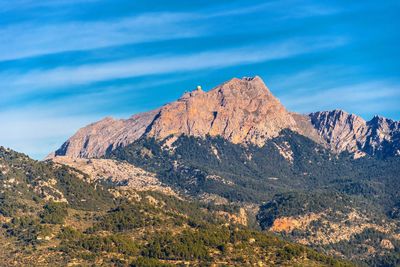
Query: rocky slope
[
  {"x": 347, "y": 132},
  {"x": 243, "y": 111},
  {"x": 342, "y": 228},
  {"x": 240, "y": 110},
  {"x": 97, "y": 138},
  {"x": 117, "y": 174}
]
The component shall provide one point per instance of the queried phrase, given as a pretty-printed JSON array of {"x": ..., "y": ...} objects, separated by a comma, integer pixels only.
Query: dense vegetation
[
  {"x": 54, "y": 213},
  {"x": 53, "y": 220},
  {"x": 314, "y": 181},
  {"x": 26, "y": 182},
  {"x": 256, "y": 174}
]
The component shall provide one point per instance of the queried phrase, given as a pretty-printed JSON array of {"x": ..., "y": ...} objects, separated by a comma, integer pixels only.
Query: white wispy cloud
[
  {"x": 6, "y": 6},
  {"x": 29, "y": 39},
  {"x": 360, "y": 98},
  {"x": 278, "y": 9},
  {"x": 308, "y": 10},
  {"x": 15, "y": 83}
]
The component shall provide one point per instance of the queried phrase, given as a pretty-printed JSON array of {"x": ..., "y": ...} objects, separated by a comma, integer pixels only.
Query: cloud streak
[
  {"x": 27, "y": 40},
  {"x": 368, "y": 97},
  {"x": 161, "y": 64},
  {"x": 30, "y": 39}
]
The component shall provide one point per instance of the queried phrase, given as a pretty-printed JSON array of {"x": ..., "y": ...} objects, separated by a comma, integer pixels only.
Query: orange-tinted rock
[{"x": 240, "y": 110}]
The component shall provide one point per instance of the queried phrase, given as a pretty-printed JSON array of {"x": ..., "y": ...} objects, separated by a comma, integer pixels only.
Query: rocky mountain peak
[
  {"x": 247, "y": 86},
  {"x": 343, "y": 131},
  {"x": 240, "y": 110},
  {"x": 383, "y": 123}
]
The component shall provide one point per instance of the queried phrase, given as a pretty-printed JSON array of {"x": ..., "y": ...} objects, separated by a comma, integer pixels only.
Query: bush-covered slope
[
  {"x": 51, "y": 217},
  {"x": 256, "y": 174},
  {"x": 292, "y": 175}
]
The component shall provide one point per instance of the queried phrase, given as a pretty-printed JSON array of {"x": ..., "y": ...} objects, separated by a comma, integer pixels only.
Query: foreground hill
[{"x": 54, "y": 215}]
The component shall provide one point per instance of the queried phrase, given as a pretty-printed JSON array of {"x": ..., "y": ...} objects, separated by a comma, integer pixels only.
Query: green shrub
[
  {"x": 54, "y": 213},
  {"x": 147, "y": 262}
]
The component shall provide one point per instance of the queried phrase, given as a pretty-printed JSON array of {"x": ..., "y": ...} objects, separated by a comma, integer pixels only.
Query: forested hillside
[
  {"x": 290, "y": 177},
  {"x": 51, "y": 216}
]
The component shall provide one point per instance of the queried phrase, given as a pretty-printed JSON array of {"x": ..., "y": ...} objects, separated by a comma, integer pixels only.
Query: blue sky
[{"x": 66, "y": 63}]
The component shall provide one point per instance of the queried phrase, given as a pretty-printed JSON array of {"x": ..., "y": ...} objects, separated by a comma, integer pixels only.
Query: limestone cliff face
[
  {"x": 347, "y": 132},
  {"x": 97, "y": 138},
  {"x": 121, "y": 175},
  {"x": 240, "y": 110}
]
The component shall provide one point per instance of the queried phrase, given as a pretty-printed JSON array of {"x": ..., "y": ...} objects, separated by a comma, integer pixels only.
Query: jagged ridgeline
[
  {"x": 325, "y": 179},
  {"x": 52, "y": 216},
  {"x": 242, "y": 111}
]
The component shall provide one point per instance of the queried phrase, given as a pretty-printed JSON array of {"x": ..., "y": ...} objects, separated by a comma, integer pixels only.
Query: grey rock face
[
  {"x": 347, "y": 132},
  {"x": 240, "y": 110},
  {"x": 243, "y": 111},
  {"x": 96, "y": 139}
]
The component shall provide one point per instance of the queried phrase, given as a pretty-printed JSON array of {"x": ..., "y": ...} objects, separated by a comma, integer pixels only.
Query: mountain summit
[{"x": 242, "y": 111}]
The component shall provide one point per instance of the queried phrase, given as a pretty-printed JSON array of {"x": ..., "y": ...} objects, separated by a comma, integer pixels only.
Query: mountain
[
  {"x": 97, "y": 138},
  {"x": 328, "y": 179},
  {"x": 291, "y": 186},
  {"x": 243, "y": 111},
  {"x": 347, "y": 132},
  {"x": 55, "y": 215}
]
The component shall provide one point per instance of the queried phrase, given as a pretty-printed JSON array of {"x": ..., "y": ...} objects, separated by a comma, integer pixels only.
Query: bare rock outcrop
[
  {"x": 240, "y": 110},
  {"x": 347, "y": 132},
  {"x": 96, "y": 139},
  {"x": 243, "y": 111},
  {"x": 120, "y": 174}
]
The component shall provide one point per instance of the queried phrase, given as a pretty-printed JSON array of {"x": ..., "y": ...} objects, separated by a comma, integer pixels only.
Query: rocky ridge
[
  {"x": 118, "y": 174},
  {"x": 348, "y": 132},
  {"x": 243, "y": 111},
  {"x": 105, "y": 135}
]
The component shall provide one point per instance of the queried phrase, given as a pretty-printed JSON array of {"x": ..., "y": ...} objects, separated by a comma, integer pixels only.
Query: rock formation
[
  {"x": 97, "y": 138},
  {"x": 347, "y": 132},
  {"x": 242, "y": 111},
  {"x": 118, "y": 174}
]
